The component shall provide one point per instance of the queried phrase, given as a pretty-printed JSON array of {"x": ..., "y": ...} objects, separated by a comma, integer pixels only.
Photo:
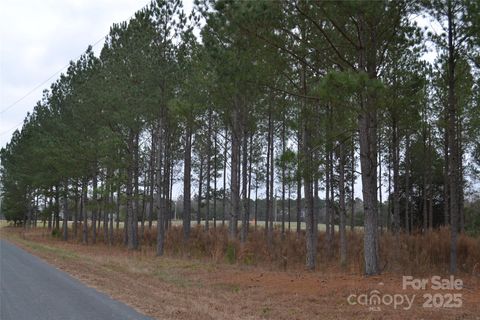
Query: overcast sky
[{"x": 38, "y": 38}]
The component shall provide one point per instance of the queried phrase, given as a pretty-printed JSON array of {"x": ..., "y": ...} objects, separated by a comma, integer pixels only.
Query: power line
[
  {"x": 45, "y": 81},
  {"x": 56, "y": 73},
  {"x": 33, "y": 90},
  {"x": 12, "y": 128},
  {"x": 50, "y": 78}
]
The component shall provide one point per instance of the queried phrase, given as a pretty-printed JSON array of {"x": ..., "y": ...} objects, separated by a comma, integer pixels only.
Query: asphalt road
[{"x": 31, "y": 289}]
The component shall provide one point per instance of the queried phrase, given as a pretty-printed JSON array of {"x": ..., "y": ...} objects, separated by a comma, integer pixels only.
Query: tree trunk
[
  {"x": 446, "y": 189},
  {"x": 367, "y": 128},
  {"x": 328, "y": 206},
  {"x": 209, "y": 169},
  {"x": 50, "y": 205},
  {"x": 234, "y": 176},
  {"x": 136, "y": 192},
  {"x": 215, "y": 171},
  {"x": 267, "y": 179},
  {"x": 428, "y": 159},
  {"x": 35, "y": 212},
  {"x": 171, "y": 203},
  {"x": 130, "y": 193},
  {"x": 83, "y": 210},
  {"x": 28, "y": 214},
  {"x": 310, "y": 218},
  {"x": 407, "y": 184},
  {"x": 250, "y": 161},
  {"x": 367, "y": 121},
  {"x": 95, "y": 205},
  {"x": 342, "y": 205},
  {"x": 57, "y": 209},
  {"x": 332, "y": 202},
  {"x": 187, "y": 178},
  {"x": 144, "y": 201},
  {"x": 75, "y": 211},
  {"x": 425, "y": 182},
  {"x": 299, "y": 179},
  {"x": 289, "y": 206},
  {"x": 224, "y": 202},
  {"x": 389, "y": 199},
  {"x": 159, "y": 187},
  {"x": 272, "y": 179},
  {"x": 110, "y": 231},
  {"x": 316, "y": 199},
  {"x": 256, "y": 203},
  {"x": 461, "y": 182},
  {"x": 199, "y": 200},
  {"x": 380, "y": 186},
  {"x": 283, "y": 178},
  {"x": 65, "y": 211},
  {"x": 99, "y": 220},
  {"x": 152, "y": 179},
  {"x": 452, "y": 150},
  {"x": 352, "y": 216},
  {"x": 167, "y": 183},
  {"x": 245, "y": 203},
  {"x": 396, "y": 178},
  {"x": 117, "y": 227},
  {"x": 106, "y": 205}
]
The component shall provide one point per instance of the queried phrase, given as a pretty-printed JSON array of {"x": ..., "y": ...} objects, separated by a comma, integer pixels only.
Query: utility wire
[
  {"x": 12, "y": 128},
  {"x": 44, "y": 82},
  {"x": 56, "y": 73},
  {"x": 33, "y": 90},
  {"x": 51, "y": 77}
]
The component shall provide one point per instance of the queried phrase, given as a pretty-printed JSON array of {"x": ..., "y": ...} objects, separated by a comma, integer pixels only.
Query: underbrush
[{"x": 406, "y": 254}]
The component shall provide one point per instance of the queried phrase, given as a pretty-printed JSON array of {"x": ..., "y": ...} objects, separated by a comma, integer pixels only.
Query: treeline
[{"x": 273, "y": 98}]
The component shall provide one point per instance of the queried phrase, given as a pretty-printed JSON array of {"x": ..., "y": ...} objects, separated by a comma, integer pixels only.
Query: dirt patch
[{"x": 171, "y": 288}]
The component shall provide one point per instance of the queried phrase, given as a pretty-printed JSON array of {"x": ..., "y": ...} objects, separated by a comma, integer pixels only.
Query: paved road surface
[{"x": 31, "y": 289}]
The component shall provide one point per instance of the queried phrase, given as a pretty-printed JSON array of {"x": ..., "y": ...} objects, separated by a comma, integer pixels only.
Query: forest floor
[{"x": 172, "y": 288}]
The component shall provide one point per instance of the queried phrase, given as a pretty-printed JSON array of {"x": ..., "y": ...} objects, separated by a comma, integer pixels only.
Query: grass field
[{"x": 260, "y": 224}]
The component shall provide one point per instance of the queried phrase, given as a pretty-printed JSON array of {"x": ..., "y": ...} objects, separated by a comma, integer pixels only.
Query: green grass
[
  {"x": 43, "y": 248},
  {"x": 172, "y": 271},
  {"x": 172, "y": 277},
  {"x": 231, "y": 287}
]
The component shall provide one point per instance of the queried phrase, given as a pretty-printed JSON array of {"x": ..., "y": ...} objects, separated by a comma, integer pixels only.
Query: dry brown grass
[
  {"x": 407, "y": 254},
  {"x": 204, "y": 285},
  {"x": 415, "y": 254}
]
